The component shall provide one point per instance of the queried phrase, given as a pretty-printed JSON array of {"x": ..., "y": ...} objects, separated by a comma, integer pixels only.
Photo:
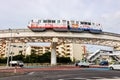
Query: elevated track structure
[{"x": 56, "y": 38}]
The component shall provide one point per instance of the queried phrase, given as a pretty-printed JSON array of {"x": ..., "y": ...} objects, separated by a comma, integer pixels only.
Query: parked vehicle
[
  {"x": 115, "y": 66},
  {"x": 16, "y": 63},
  {"x": 104, "y": 63},
  {"x": 82, "y": 64}
]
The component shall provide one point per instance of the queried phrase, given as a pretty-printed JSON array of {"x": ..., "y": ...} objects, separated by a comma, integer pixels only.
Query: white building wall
[
  {"x": 28, "y": 50},
  {"x": 15, "y": 49},
  {"x": 74, "y": 51},
  {"x": 78, "y": 51}
]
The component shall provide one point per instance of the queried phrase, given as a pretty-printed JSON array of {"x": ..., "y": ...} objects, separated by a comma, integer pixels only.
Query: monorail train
[{"x": 64, "y": 25}]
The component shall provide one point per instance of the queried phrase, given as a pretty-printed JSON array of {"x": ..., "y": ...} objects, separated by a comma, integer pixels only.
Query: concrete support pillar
[{"x": 53, "y": 52}]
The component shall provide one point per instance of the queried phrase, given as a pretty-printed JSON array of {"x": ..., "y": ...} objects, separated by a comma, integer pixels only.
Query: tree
[
  {"x": 19, "y": 57},
  {"x": 63, "y": 59}
]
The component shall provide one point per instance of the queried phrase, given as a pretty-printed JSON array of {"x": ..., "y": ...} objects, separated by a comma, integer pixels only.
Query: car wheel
[
  {"x": 87, "y": 66},
  {"x": 76, "y": 64},
  {"x": 111, "y": 68}
]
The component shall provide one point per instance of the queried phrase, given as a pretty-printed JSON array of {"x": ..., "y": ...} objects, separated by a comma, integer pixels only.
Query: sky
[{"x": 16, "y": 14}]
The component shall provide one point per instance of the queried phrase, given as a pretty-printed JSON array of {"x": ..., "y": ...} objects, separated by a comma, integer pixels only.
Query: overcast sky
[{"x": 16, "y": 14}]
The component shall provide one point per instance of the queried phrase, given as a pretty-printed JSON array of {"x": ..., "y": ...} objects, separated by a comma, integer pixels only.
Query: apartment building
[
  {"x": 37, "y": 49},
  {"x": 12, "y": 49},
  {"x": 2, "y": 49},
  {"x": 74, "y": 51}
]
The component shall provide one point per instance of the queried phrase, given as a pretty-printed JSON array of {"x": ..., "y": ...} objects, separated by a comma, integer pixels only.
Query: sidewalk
[{"x": 5, "y": 67}]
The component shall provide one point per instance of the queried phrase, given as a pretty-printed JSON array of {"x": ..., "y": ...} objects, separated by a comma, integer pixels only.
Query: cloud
[
  {"x": 111, "y": 21},
  {"x": 112, "y": 16},
  {"x": 17, "y": 13}
]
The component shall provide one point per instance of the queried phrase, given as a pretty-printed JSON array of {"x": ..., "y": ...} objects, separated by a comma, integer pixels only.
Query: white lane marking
[
  {"x": 60, "y": 79},
  {"x": 31, "y": 73}
]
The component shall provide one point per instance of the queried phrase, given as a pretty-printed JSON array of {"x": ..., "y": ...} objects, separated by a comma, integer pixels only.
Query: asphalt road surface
[{"x": 73, "y": 74}]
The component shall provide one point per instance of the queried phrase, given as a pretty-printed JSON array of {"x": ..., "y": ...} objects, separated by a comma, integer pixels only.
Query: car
[
  {"x": 16, "y": 63},
  {"x": 82, "y": 64},
  {"x": 102, "y": 63},
  {"x": 115, "y": 66}
]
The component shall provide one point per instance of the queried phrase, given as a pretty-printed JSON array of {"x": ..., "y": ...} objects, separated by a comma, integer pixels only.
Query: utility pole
[{"x": 9, "y": 48}]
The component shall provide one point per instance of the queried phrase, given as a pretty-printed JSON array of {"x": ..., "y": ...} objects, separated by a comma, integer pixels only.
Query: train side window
[
  {"x": 64, "y": 21},
  {"x": 89, "y": 23},
  {"x": 85, "y": 23},
  {"x": 14, "y": 45},
  {"x": 58, "y": 21},
  {"x": 93, "y": 23},
  {"x": 39, "y": 21},
  {"x": 53, "y": 21},
  {"x": 49, "y": 21},
  {"x": 77, "y": 22},
  {"x": 82, "y": 22},
  {"x": 72, "y": 22},
  {"x": 44, "y": 21}
]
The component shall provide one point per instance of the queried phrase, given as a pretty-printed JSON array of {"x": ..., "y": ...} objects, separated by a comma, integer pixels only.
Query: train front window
[{"x": 35, "y": 20}]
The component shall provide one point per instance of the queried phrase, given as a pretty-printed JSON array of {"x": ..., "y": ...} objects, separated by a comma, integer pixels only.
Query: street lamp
[{"x": 9, "y": 48}]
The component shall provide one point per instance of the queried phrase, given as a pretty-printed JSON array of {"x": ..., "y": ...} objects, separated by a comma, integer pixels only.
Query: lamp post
[{"x": 9, "y": 48}]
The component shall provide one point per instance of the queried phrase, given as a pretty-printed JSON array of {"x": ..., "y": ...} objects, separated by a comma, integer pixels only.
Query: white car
[
  {"x": 16, "y": 63},
  {"x": 115, "y": 66},
  {"x": 82, "y": 64}
]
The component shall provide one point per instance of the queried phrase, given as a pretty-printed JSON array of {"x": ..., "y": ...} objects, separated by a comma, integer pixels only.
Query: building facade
[
  {"x": 12, "y": 49},
  {"x": 37, "y": 49},
  {"x": 74, "y": 51}
]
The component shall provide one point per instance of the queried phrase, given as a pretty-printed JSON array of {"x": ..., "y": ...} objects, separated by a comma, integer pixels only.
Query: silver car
[{"x": 82, "y": 64}]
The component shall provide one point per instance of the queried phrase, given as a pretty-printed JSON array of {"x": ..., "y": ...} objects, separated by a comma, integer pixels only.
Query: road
[{"x": 68, "y": 74}]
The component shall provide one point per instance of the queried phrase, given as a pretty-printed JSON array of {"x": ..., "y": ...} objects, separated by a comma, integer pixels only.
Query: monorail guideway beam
[{"x": 53, "y": 52}]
